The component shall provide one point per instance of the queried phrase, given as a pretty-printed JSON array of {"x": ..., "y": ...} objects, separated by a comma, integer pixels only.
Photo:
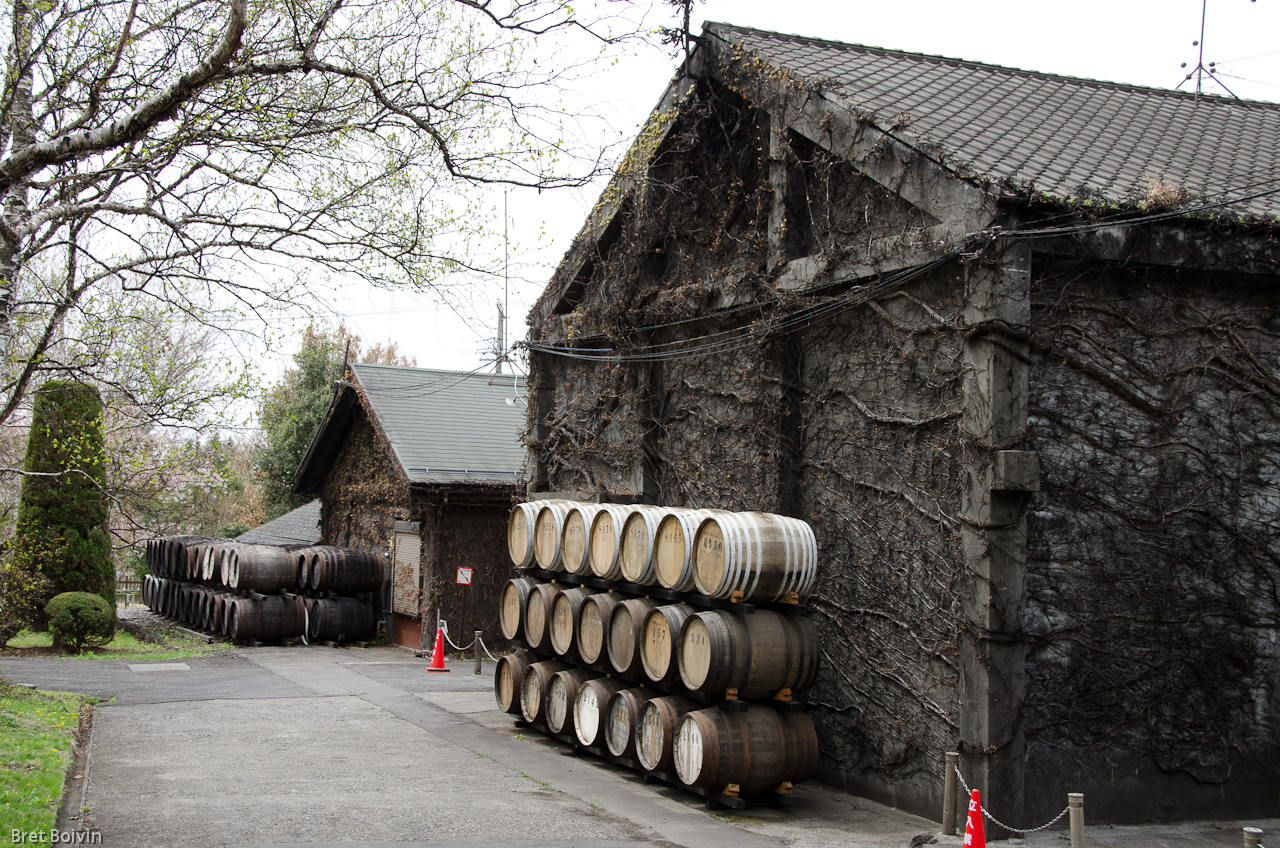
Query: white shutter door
[{"x": 406, "y": 576}]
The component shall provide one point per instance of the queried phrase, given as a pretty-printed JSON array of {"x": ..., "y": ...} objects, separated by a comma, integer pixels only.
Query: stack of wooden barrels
[
  {"x": 264, "y": 593},
  {"x": 668, "y": 639}
]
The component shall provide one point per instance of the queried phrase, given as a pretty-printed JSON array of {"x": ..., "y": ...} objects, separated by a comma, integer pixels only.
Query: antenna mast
[
  {"x": 1200, "y": 70},
  {"x": 505, "y": 304},
  {"x": 500, "y": 343}
]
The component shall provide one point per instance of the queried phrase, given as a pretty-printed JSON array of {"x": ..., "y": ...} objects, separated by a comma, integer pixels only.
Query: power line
[{"x": 740, "y": 337}]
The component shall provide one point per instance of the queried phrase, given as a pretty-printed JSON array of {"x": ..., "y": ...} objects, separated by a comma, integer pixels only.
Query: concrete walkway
[{"x": 359, "y": 747}]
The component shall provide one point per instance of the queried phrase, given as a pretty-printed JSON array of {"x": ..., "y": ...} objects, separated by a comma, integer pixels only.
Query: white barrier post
[
  {"x": 1075, "y": 803},
  {"x": 1253, "y": 837},
  {"x": 478, "y": 650},
  {"x": 949, "y": 793}
]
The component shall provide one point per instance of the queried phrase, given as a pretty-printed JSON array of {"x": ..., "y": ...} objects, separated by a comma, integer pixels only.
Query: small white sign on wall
[{"x": 464, "y": 576}]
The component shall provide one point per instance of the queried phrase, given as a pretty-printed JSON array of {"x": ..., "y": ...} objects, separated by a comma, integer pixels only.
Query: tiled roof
[
  {"x": 1063, "y": 136},
  {"x": 449, "y": 426},
  {"x": 300, "y": 527}
]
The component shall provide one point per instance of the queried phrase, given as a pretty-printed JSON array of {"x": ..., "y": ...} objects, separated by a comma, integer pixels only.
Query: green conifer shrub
[{"x": 60, "y": 542}]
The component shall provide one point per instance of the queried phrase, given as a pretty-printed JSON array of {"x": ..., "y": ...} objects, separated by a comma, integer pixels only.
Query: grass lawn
[
  {"x": 123, "y": 647},
  {"x": 36, "y": 732}
]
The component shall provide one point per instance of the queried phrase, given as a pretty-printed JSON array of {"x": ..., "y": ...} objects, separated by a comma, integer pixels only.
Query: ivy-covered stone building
[
  {"x": 422, "y": 466},
  {"x": 1007, "y": 340}
]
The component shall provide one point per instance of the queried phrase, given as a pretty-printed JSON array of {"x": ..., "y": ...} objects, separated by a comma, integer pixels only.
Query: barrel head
[{"x": 709, "y": 557}]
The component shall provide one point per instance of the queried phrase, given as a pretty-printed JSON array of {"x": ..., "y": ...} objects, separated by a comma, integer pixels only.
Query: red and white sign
[{"x": 464, "y": 577}]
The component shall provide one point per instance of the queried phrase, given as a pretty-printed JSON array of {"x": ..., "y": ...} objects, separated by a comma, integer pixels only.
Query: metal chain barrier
[{"x": 987, "y": 815}]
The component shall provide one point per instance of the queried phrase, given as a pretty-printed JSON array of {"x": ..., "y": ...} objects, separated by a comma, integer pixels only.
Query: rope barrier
[
  {"x": 444, "y": 628},
  {"x": 987, "y": 813},
  {"x": 486, "y": 650}
]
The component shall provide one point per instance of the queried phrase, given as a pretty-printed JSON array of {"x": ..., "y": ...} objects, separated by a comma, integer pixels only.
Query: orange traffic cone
[
  {"x": 437, "y": 656},
  {"x": 974, "y": 835}
]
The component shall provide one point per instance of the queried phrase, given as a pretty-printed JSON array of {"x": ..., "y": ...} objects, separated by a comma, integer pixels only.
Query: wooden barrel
[
  {"x": 548, "y": 529},
  {"x": 520, "y": 524},
  {"x": 160, "y": 589},
  {"x": 562, "y": 694},
  {"x": 639, "y": 533},
  {"x": 575, "y": 540},
  {"x": 605, "y": 551},
  {"x": 180, "y": 553},
  {"x": 507, "y": 678},
  {"x": 218, "y": 612},
  {"x": 186, "y": 608},
  {"x": 765, "y": 557},
  {"x": 590, "y": 709},
  {"x": 625, "y": 626},
  {"x": 211, "y": 609},
  {"x": 308, "y": 559},
  {"x": 759, "y": 750},
  {"x": 660, "y": 641},
  {"x": 656, "y": 730},
  {"x": 533, "y": 689},
  {"x": 673, "y": 549},
  {"x": 263, "y": 568},
  {"x": 593, "y": 619},
  {"x": 199, "y": 603},
  {"x": 267, "y": 618},
  {"x": 172, "y": 595},
  {"x": 159, "y": 557},
  {"x": 759, "y": 654},
  {"x": 565, "y": 607},
  {"x": 222, "y": 568},
  {"x": 622, "y": 715},
  {"x": 341, "y": 620},
  {"x": 210, "y": 559},
  {"x": 537, "y": 616},
  {"x": 165, "y": 558},
  {"x": 346, "y": 571},
  {"x": 511, "y": 608}
]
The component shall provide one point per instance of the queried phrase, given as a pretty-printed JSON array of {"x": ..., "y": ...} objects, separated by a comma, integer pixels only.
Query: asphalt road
[
  {"x": 320, "y": 746},
  {"x": 360, "y": 747}
]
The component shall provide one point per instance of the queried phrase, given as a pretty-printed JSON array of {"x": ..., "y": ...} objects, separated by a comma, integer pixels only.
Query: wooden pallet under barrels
[{"x": 655, "y": 673}]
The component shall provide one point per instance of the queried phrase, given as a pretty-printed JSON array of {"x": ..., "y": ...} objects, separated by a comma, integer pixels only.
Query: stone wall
[
  {"x": 851, "y": 420},
  {"x": 881, "y": 485},
  {"x": 363, "y": 495},
  {"x": 1153, "y": 586},
  {"x": 472, "y": 536}
]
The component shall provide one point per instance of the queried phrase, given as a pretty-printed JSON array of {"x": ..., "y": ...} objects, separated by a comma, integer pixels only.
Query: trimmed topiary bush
[
  {"x": 60, "y": 540},
  {"x": 80, "y": 620}
]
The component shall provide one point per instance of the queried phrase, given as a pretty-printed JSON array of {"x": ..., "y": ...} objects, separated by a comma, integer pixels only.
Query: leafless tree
[{"x": 175, "y": 162}]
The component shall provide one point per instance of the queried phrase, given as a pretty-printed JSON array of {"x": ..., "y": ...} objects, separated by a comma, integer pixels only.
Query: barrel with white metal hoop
[
  {"x": 575, "y": 540},
  {"x": 754, "y": 556},
  {"x": 520, "y": 524},
  {"x": 639, "y": 533},
  {"x": 606, "y": 540},
  {"x": 673, "y": 548},
  {"x": 548, "y": 529}
]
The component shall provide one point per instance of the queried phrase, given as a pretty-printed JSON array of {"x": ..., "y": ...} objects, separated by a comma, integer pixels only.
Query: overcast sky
[{"x": 1143, "y": 42}]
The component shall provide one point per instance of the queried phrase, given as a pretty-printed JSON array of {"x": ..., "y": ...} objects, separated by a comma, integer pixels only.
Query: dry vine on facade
[{"x": 952, "y": 316}]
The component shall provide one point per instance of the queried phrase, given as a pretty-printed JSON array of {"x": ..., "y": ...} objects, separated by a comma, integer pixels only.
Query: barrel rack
[{"x": 782, "y": 702}]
